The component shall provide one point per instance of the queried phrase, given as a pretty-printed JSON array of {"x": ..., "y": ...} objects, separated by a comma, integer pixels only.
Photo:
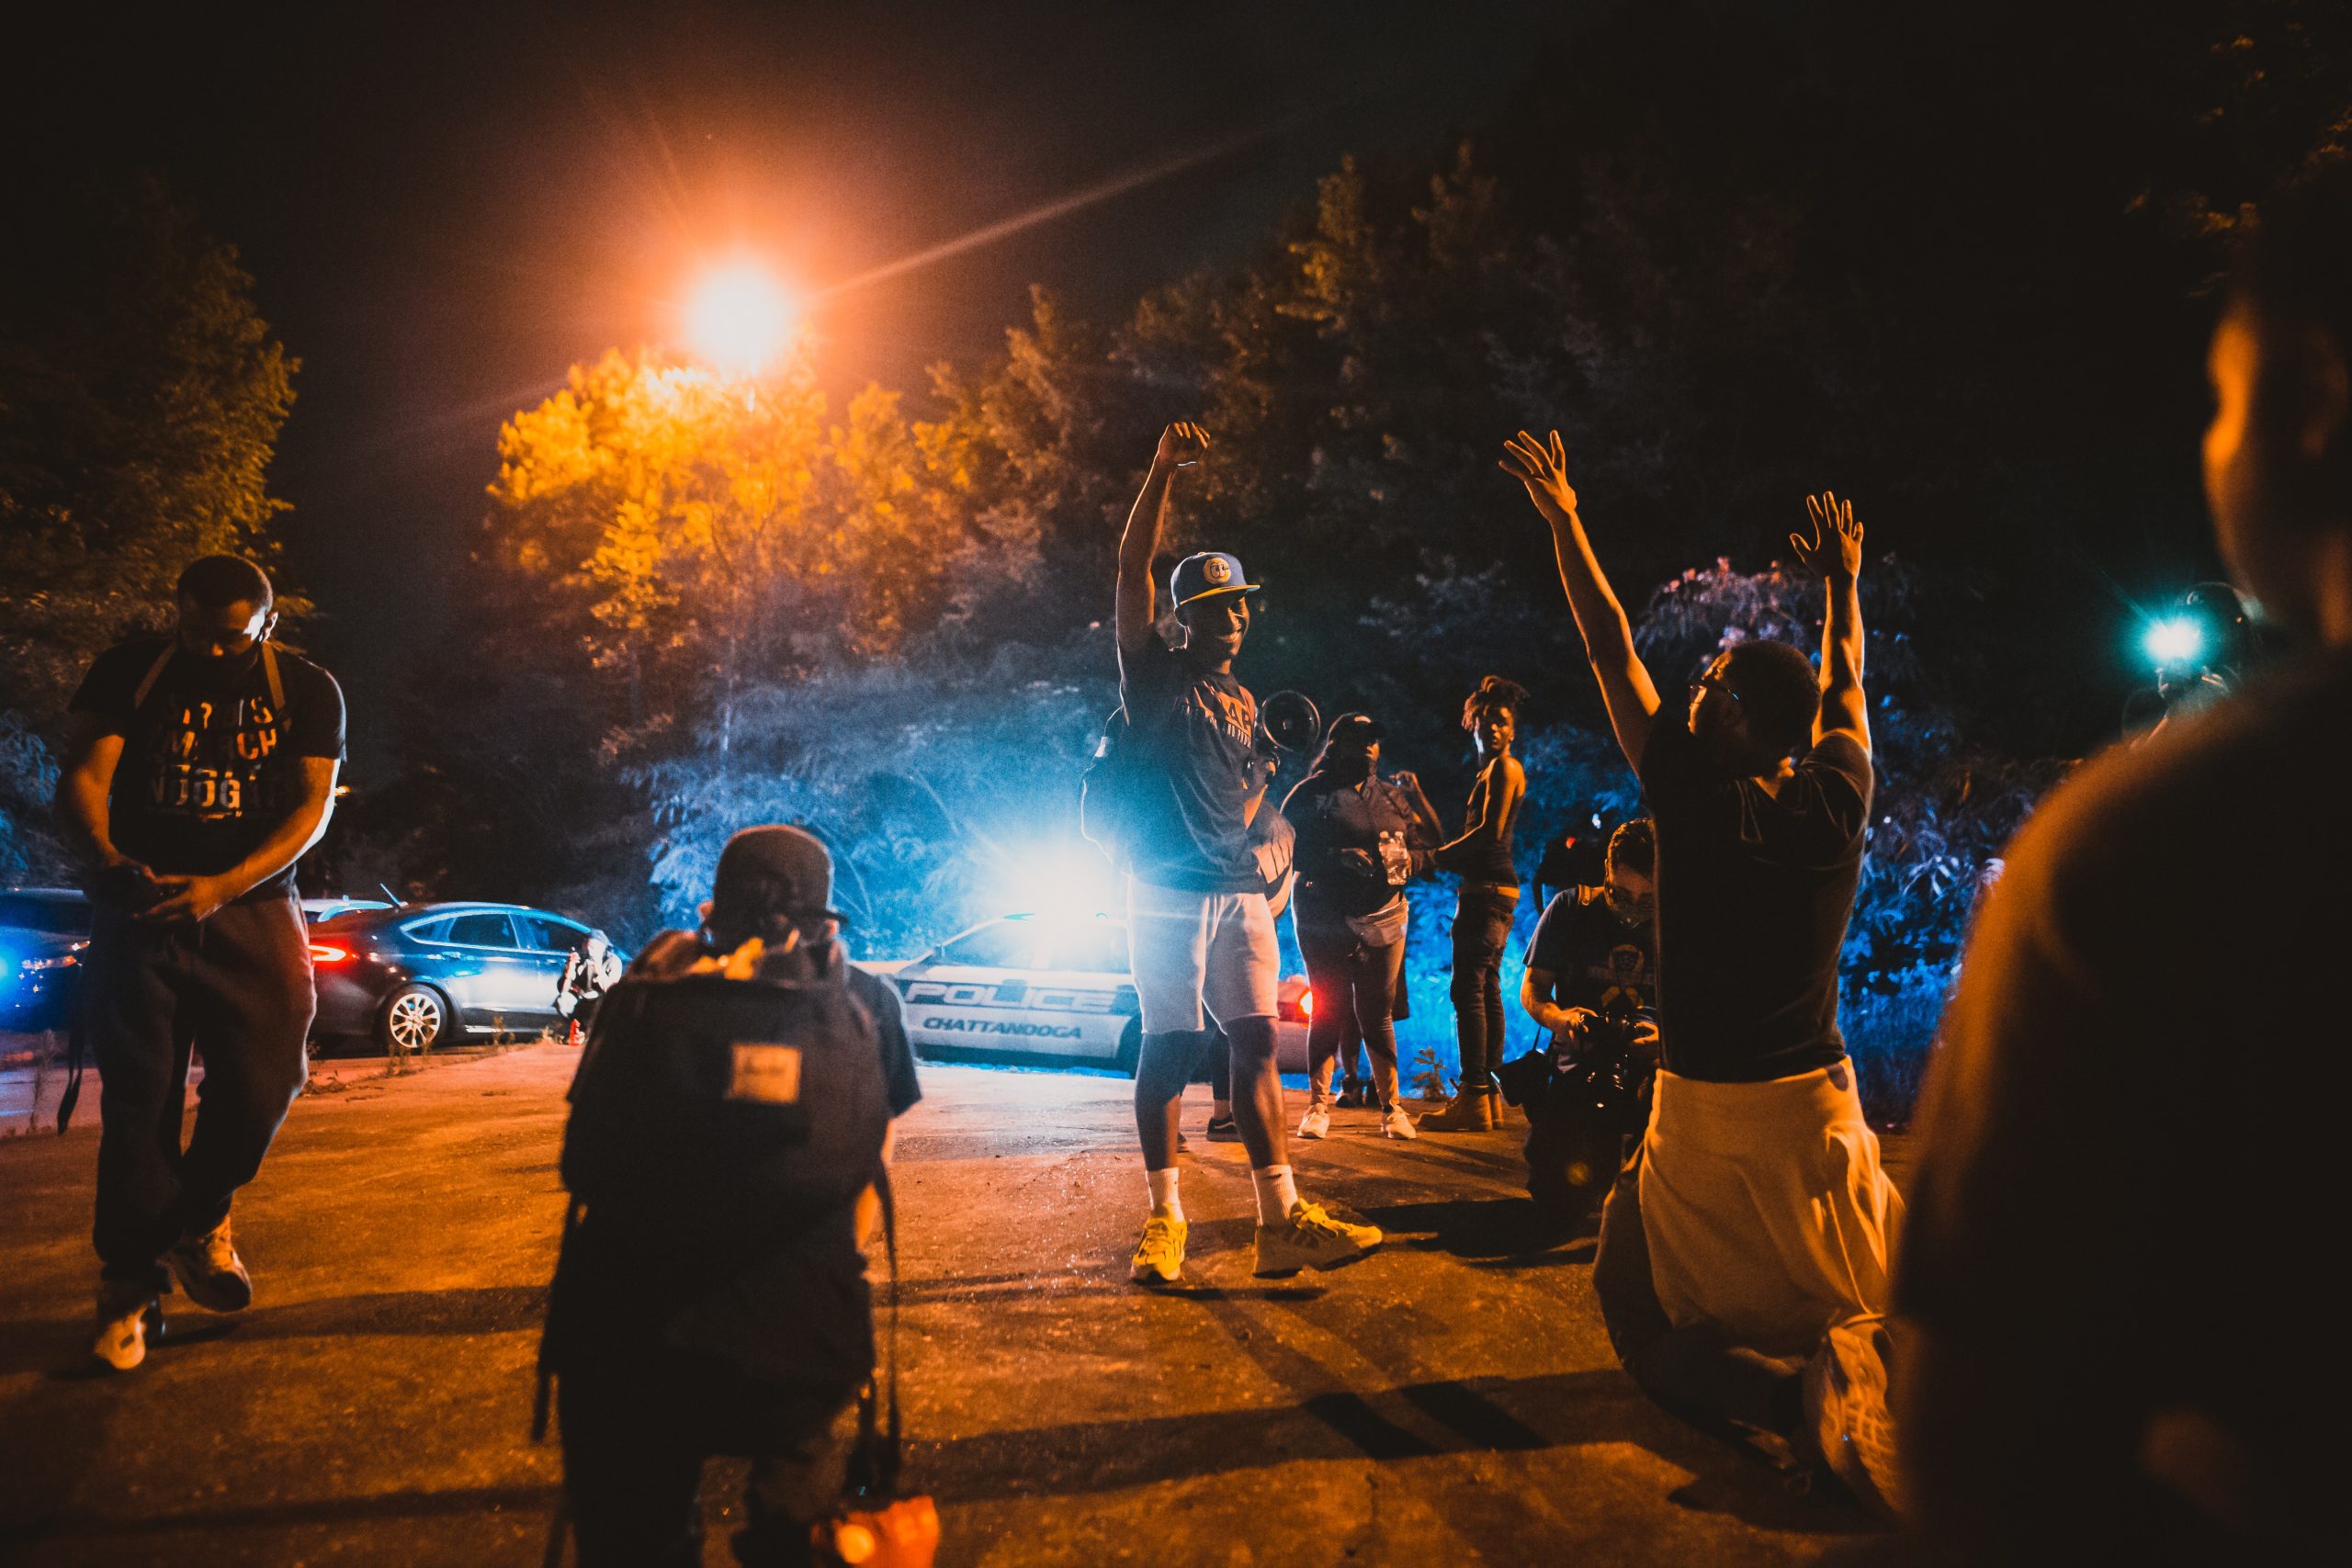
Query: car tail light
[{"x": 327, "y": 952}]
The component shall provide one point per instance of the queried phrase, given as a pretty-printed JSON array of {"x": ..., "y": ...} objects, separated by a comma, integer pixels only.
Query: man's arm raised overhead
[
  {"x": 1625, "y": 686},
  {"x": 1181, "y": 445},
  {"x": 1836, "y": 552}
]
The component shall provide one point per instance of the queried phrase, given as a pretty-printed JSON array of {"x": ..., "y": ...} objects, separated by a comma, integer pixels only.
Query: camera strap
[{"x": 879, "y": 1444}]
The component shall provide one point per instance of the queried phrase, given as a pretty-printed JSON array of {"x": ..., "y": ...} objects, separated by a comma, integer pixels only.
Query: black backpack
[{"x": 717, "y": 1113}]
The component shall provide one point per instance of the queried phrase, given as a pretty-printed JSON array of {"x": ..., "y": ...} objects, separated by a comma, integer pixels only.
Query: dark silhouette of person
[{"x": 2107, "y": 1353}]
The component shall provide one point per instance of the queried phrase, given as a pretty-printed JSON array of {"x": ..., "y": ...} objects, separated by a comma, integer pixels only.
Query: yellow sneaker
[
  {"x": 1160, "y": 1256},
  {"x": 1311, "y": 1238}
]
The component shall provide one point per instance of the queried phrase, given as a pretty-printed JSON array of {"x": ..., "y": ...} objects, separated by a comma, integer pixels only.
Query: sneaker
[
  {"x": 209, "y": 1271},
  {"x": 1352, "y": 1097},
  {"x": 1160, "y": 1256},
  {"x": 1224, "y": 1130},
  {"x": 1317, "y": 1122},
  {"x": 1311, "y": 1238},
  {"x": 1396, "y": 1123},
  {"x": 1846, "y": 1423},
  {"x": 126, "y": 1322},
  {"x": 1183, "y": 1144}
]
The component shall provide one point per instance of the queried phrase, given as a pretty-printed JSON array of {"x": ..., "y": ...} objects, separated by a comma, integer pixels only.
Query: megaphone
[{"x": 1291, "y": 720}]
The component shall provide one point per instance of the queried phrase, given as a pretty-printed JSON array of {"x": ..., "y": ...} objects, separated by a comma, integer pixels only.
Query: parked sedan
[
  {"x": 421, "y": 976},
  {"x": 1029, "y": 987},
  {"x": 42, "y": 933}
]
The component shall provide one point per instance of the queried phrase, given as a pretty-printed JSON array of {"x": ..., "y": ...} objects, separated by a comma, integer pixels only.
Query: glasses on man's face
[{"x": 1714, "y": 684}]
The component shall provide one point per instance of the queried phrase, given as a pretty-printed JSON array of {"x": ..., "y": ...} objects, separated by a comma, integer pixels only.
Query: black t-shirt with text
[
  {"x": 1595, "y": 960},
  {"x": 210, "y": 767},
  {"x": 1192, "y": 730},
  {"x": 1754, "y": 891}
]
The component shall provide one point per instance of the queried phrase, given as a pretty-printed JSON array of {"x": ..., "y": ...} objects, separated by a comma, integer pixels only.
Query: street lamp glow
[{"x": 739, "y": 318}]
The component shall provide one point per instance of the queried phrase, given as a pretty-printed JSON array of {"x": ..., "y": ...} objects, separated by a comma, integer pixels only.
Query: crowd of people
[{"x": 2057, "y": 1350}]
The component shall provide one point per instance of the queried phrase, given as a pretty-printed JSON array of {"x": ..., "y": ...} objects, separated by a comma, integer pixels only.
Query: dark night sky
[{"x": 446, "y": 207}]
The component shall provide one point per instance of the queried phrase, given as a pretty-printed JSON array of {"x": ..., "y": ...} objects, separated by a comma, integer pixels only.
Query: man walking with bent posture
[
  {"x": 201, "y": 766},
  {"x": 1198, "y": 924}
]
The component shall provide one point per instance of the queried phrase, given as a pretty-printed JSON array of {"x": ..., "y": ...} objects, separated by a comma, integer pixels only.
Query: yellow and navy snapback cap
[{"x": 1208, "y": 573}]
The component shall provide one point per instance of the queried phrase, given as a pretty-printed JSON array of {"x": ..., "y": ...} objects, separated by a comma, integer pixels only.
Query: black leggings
[
  {"x": 1481, "y": 931},
  {"x": 1355, "y": 997}
]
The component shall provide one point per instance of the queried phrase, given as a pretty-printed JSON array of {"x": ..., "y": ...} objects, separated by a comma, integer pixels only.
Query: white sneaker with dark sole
[
  {"x": 124, "y": 1329},
  {"x": 209, "y": 1271},
  {"x": 1846, "y": 1423}
]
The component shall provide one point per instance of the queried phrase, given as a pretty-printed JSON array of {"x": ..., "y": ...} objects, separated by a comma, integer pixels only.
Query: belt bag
[{"x": 1384, "y": 926}]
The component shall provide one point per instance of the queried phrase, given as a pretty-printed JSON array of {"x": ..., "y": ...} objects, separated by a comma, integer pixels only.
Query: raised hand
[
  {"x": 1543, "y": 467},
  {"x": 1835, "y": 551},
  {"x": 1181, "y": 445}
]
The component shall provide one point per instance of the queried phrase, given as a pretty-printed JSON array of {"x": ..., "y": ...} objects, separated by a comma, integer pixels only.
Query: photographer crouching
[
  {"x": 730, "y": 1132},
  {"x": 1591, "y": 980}
]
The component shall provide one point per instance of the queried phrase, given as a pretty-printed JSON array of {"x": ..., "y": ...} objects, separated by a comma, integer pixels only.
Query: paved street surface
[{"x": 1450, "y": 1400}]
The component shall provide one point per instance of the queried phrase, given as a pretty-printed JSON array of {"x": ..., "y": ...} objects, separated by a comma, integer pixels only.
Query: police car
[{"x": 1031, "y": 987}]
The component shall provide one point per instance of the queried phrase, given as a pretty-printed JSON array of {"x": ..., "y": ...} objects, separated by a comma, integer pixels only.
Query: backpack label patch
[{"x": 765, "y": 1074}]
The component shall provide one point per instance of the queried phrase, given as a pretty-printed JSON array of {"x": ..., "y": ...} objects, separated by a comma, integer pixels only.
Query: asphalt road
[{"x": 1449, "y": 1400}]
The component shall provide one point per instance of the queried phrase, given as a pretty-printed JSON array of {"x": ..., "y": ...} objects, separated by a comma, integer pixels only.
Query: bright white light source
[
  {"x": 1065, "y": 882},
  {"x": 739, "y": 318},
  {"x": 2176, "y": 641}
]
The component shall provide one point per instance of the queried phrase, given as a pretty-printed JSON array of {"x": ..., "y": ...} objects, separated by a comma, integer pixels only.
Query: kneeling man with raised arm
[{"x": 1743, "y": 1262}]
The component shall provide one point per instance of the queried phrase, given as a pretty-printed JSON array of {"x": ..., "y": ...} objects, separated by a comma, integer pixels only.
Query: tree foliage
[
  {"x": 140, "y": 400},
  {"x": 1734, "y": 250}
]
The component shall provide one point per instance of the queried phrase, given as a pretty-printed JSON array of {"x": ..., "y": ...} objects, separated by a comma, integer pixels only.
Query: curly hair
[
  {"x": 1495, "y": 693},
  {"x": 1633, "y": 847}
]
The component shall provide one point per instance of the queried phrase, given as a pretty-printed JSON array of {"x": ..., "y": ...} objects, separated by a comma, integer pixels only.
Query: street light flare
[{"x": 740, "y": 317}]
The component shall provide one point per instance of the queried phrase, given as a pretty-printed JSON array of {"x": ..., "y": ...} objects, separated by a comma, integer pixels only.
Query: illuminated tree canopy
[{"x": 699, "y": 533}]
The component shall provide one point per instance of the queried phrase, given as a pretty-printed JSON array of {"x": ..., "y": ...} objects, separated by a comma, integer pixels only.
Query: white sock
[
  {"x": 1163, "y": 1192},
  {"x": 1276, "y": 1192}
]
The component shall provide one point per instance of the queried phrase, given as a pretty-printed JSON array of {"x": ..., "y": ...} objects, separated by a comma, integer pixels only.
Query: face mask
[{"x": 1631, "y": 910}]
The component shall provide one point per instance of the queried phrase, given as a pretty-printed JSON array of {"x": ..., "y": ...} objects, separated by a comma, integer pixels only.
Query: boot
[{"x": 1472, "y": 1111}]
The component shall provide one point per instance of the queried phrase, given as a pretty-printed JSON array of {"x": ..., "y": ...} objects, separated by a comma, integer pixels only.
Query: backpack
[
  {"x": 1106, "y": 790},
  {"x": 713, "y": 1117}
]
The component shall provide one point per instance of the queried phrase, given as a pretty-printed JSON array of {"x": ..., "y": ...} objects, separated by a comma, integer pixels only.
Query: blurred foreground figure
[
  {"x": 730, "y": 1122},
  {"x": 2111, "y": 1362},
  {"x": 1742, "y": 1263},
  {"x": 201, "y": 766}
]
